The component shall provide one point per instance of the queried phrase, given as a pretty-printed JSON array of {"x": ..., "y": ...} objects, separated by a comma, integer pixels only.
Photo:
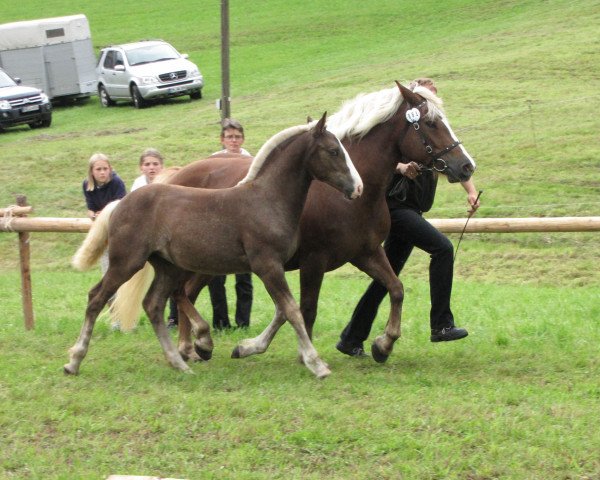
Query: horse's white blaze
[
  {"x": 455, "y": 138},
  {"x": 358, "y": 184}
]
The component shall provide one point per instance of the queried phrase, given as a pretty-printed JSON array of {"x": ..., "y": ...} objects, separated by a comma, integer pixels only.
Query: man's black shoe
[
  {"x": 351, "y": 350},
  {"x": 171, "y": 323},
  {"x": 448, "y": 334}
]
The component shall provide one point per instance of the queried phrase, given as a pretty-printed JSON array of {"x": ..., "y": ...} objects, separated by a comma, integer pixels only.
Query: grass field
[{"x": 516, "y": 400}]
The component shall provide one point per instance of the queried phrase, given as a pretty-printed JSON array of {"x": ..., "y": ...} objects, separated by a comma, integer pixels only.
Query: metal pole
[{"x": 225, "y": 96}]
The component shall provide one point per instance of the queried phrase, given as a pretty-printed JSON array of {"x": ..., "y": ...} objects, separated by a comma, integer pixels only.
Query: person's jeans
[{"x": 408, "y": 230}]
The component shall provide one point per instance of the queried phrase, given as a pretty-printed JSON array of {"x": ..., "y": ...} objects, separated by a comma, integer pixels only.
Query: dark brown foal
[{"x": 250, "y": 227}]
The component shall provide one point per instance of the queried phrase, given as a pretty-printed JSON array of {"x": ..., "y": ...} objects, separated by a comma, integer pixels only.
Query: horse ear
[
  {"x": 309, "y": 119},
  {"x": 320, "y": 126},
  {"x": 407, "y": 94}
]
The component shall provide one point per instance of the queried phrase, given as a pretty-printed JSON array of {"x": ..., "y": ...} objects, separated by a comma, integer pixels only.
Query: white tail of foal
[{"x": 95, "y": 242}]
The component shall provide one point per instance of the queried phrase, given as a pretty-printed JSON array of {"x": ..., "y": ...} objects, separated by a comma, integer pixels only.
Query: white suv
[{"x": 146, "y": 70}]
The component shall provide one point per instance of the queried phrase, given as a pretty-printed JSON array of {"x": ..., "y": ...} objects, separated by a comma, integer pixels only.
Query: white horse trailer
[{"x": 53, "y": 54}]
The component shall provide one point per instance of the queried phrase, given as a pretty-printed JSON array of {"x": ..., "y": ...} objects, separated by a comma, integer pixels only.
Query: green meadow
[{"x": 518, "y": 399}]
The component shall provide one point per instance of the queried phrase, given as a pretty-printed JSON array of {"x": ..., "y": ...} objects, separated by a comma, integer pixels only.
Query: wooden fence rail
[
  {"x": 13, "y": 219},
  {"x": 446, "y": 225}
]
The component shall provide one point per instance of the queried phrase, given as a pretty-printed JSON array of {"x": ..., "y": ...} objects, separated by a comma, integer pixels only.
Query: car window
[
  {"x": 151, "y": 53},
  {"x": 113, "y": 58},
  {"x": 109, "y": 60}
]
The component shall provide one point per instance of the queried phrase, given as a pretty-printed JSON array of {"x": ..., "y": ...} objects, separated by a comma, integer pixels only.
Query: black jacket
[
  {"x": 98, "y": 198},
  {"x": 417, "y": 194}
]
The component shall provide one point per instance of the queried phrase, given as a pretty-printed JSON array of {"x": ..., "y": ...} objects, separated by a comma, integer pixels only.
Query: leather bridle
[{"x": 413, "y": 116}]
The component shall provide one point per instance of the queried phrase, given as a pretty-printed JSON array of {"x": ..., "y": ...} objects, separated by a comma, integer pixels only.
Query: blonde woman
[{"x": 102, "y": 185}]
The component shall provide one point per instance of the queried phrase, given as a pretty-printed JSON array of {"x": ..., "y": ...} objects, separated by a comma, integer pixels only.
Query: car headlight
[
  {"x": 4, "y": 105},
  {"x": 194, "y": 72},
  {"x": 45, "y": 98},
  {"x": 149, "y": 80}
]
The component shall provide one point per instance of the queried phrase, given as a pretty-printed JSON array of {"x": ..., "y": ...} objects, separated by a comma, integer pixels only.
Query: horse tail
[
  {"x": 126, "y": 307},
  {"x": 96, "y": 240}
]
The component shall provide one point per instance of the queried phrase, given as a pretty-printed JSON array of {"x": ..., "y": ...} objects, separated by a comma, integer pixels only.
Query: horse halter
[{"x": 413, "y": 115}]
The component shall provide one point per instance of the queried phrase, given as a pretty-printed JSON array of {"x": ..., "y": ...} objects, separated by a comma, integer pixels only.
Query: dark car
[{"x": 20, "y": 104}]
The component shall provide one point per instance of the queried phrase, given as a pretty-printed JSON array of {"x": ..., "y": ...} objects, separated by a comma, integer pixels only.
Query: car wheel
[
  {"x": 105, "y": 99},
  {"x": 44, "y": 122},
  {"x": 138, "y": 100},
  {"x": 196, "y": 94}
]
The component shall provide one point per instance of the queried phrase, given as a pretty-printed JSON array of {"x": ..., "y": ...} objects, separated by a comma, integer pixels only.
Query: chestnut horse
[
  {"x": 250, "y": 227},
  {"x": 380, "y": 130}
]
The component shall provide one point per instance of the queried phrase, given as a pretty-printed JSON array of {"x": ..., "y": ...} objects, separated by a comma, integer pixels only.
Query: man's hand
[
  {"x": 473, "y": 199},
  {"x": 409, "y": 170}
]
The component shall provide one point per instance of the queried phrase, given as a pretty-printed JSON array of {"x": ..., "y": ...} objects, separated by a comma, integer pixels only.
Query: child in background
[
  {"x": 151, "y": 164},
  {"x": 101, "y": 187}
]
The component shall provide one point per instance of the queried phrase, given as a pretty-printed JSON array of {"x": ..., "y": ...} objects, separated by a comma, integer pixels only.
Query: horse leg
[
  {"x": 203, "y": 346},
  {"x": 311, "y": 279},
  {"x": 273, "y": 277},
  {"x": 167, "y": 277},
  {"x": 97, "y": 298},
  {"x": 259, "y": 344},
  {"x": 378, "y": 267},
  {"x": 187, "y": 314}
]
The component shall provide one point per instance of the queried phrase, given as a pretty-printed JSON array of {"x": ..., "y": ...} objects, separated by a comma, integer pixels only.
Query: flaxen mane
[
  {"x": 358, "y": 116},
  {"x": 268, "y": 147}
]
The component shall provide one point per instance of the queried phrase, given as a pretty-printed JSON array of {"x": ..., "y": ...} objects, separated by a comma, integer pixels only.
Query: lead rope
[{"x": 465, "y": 227}]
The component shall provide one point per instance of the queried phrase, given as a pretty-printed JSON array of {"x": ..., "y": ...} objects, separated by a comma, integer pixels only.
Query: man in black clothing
[{"x": 411, "y": 193}]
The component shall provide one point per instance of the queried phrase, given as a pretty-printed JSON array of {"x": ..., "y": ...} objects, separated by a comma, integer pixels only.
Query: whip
[{"x": 466, "y": 223}]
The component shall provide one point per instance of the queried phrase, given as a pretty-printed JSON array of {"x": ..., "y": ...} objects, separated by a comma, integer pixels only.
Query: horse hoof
[
  {"x": 203, "y": 354},
  {"x": 68, "y": 370},
  {"x": 377, "y": 354},
  {"x": 236, "y": 353}
]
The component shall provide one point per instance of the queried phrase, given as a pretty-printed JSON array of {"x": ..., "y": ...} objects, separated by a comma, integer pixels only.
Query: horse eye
[
  {"x": 430, "y": 124},
  {"x": 334, "y": 152}
]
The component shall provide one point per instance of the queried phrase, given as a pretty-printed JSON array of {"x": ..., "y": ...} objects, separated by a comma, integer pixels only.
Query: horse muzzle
[
  {"x": 355, "y": 192},
  {"x": 460, "y": 173}
]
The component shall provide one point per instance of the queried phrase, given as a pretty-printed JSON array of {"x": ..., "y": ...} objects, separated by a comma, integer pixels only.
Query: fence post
[{"x": 24, "y": 255}]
